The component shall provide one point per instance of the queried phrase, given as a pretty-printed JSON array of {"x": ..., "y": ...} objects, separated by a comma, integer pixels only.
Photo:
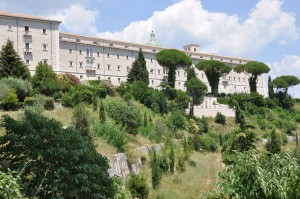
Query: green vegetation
[
  {"x": 139, "y": 72},
  {"x": 9, "y": 187},
  {"x": 253, "y": 69},
  {"x": 213, "y": 70},
  {"x": 11, "y": 64},
  {"x": 173, "y": 59}
]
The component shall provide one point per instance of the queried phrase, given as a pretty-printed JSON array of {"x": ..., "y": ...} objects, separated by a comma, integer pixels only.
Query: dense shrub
[
  {"x": 137, "y": 185},
  {"x": 177, "y": 120},
  {"x": 80, "y": 120},
  {"x": 22, "y": 87},
  {"x": 113, "y": 134},
  {"x": 9, "y": 187},
  {"x": 208, "y": 143},
  {"x": 4, "y": 90},
  {"x": 285, "y": 100},
  {"x": 123, "y": 114},
  {"x": 109, "y": 86},
  {"x": 10, "y": 102},
  {"x": 220, "y": 118},
  {"x": 156, "y": 101},
  {"x": 48, "y": 102},
  {"x": 140, "y": 91}
]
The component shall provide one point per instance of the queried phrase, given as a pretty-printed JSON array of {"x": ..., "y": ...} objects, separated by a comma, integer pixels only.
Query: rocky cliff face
[{"x": 119, "y": 165}]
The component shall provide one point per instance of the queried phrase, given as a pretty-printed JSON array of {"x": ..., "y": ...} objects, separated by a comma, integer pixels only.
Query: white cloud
[
  {"x": 186, "y": 21},
  {"x": 77, "y": 19},
  {"x": 289, "y": 65}
]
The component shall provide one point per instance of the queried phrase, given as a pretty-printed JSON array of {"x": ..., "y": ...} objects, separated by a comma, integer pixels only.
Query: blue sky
[{"x": 263, "y": 30}]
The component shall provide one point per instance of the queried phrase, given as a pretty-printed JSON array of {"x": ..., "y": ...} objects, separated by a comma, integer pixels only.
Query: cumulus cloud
[
  {"x": 288, "y": 65},
  {"x": 78, "y": 19},
  {"x": 187, "y": 21}
]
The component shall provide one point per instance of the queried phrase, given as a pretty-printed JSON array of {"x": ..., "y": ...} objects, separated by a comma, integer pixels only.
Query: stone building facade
[{"x": 38, "y": 39}]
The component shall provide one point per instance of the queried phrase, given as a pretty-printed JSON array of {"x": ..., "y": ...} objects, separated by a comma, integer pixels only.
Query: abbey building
[{"x": 38, "y": 39}]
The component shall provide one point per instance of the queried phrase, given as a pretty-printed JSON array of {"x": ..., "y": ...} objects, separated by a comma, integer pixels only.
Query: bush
[
  {"x": 109, "y": 86},
  {"x": 123, "y": 114},
  {"x": 4, "y": 90},
  {"x": 113, "y": 134},
  {"x": 80, "y": 120},
  {"x": 22, "y": 87},
  {"x": 137, "y": 185},
  {"x": 10, "y": 102},
  {"x": 176, "y": 120},
  {"x": 48, "y": 102},
  {"x": 208, "y": 143},
  {"x": 220, "y": 118}
]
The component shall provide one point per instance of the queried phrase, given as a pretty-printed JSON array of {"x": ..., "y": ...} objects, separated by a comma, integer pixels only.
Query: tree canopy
[
  {"x": 197, "y": 90},
  {"x": 55, "y": 162},
  {"x": 285, "y": 81},
  {"x": 253, "y": 69},
  {"x": 139, "y": 71},
  {"x": 213, "y": 70},
  {"x": 173, "y": 59},
  {"x": 11, "y": 64}
]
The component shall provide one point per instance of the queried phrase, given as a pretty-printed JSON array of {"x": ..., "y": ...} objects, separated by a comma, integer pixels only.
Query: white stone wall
[{"x": 35, "y": 37}]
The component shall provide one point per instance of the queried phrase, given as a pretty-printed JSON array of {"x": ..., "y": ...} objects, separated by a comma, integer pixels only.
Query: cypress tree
[
  {"x": 155, "y": 170},
  {"x": 271, "y": 88},
  {"x": 172, "y": 159},
  {"x": 101, "y": 113},
  {"x": 80, "y": 120},
  {"x": 240, "y": 117},
  {"x": 95, "y": 102},
  {"x": 274, "y": 144},
  {"x": 145, "y": 120},
  {"x": 297, "y": 139},
  {"x": 11, "y": 65},
  {"x": 139, "y": 71}
]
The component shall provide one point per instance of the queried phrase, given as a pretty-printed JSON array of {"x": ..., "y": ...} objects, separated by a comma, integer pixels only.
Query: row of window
[
  {"x": 44, "y": 46},
  {"x": 27, "y": 61},
  {"x": 26, "y": 29}
]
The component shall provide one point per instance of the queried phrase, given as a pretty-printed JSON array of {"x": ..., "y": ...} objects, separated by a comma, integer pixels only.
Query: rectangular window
[
  {"x": 98, "y": 66},
  {"x": 119, "y": 68},
  {"x": 45, "y": 47},
  {"x": 26, "y": 28},
  {"x": 9, "y": 28},
  {"x": 80, "y": 64},
  {"x": 80, "y": 52},
  {"x": 81, "y": 76},
  {"x": 152, "y": 82},
  {"x": 159, "y": 71},
  {"x": 151, "y": 60},
  {"x": 178, "y": 73},
  {"x": 239, "y": 79},
  {"x": 108, "y": 67},
  {"x": 98, "y": 54},
  {"x": 44, "y": 31},
  {"x": 27, "y": 45},
  {"x": 118, "y": 56},
  {"x": 71, "y": 63},
  {"x": 151, "y": 71},
  {"x": 108, "y": 55},
  {"x": 184, "y": 74},
  {"x": 77, "y": 40},
  {"x": 119, "y": 80},
  {"x": 108, "y": 78},
  {"x": 111, "y": 45},
  {"x": 94, "y": 42},
  {"x": 126, "y": 46},
  {"x": 70, "y": 51},
  {"x": 99, "y": 78},
  {"x": 128, "y": 68},
  {"x": 27, "y": 62},
  {"x": 45, "y": 61},
  {"x": 154, "y": 50},
  {"x": 127, "y": 57}
]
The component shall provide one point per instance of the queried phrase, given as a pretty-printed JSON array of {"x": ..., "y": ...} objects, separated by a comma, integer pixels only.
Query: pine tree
[
  {"x": 101, "y": 113},
  {"x": 11, "y": 64},
  {"x": 139, "y": 71},
  {"x": 274, "y": 144},
  {"x": 271, "y": 88},
  {"x": 172, "y": 159}
]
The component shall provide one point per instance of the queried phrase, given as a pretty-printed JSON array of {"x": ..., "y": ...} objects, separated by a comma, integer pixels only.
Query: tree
[
  {"x": 101, "y": 112},
  {"x": 145, "y": 120},
  {"x": 213, "y": 70},
  {"x": 172, "y": 159},
  {"x": 55, "y": 162},
  {"x": 139, "y": 71},
  {"x": 197, "y": 90},
  {"x": 271, "y": 88},
  {"x": 95, "y": 102},
  {"x": 11, "y": 65},
  {"x": 273, "y": 145},
  {"x": 240, "y": 117},
  {"x": 285, "y": 81},
  {"x": 155, "y": 171},
  {"x": 253, "y": 175},
  {"x": 173, "y": 59},
  {"x": 80, "y": 120},
  {"x": 137, "y": 186},
  {"x": 253, "y": 70},
  {"x": 45, "y": 80},
  {"x": 191, "y": 73}
]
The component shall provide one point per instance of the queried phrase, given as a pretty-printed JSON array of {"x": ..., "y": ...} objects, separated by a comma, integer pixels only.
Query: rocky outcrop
[{"x": 120, "y": 166}]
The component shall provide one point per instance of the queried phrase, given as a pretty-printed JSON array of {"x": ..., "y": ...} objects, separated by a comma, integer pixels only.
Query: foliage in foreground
[
  {"x": 255, "y": 175},
  {"x": 68, "y": 166},
  {"x": 9, "y": 187},
  {"x": 137, "y": 186}
]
